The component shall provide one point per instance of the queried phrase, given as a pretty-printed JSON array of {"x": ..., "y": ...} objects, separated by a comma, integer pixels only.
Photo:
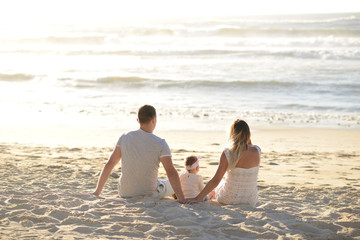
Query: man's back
[{"x": 141, "y": 152}]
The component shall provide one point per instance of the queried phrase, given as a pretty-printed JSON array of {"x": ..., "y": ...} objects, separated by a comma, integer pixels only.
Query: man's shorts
[{"x": 163, "y": 189}]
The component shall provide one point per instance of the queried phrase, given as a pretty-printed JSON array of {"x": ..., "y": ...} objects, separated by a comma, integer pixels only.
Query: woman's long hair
[{"x": 239, "y": 138}]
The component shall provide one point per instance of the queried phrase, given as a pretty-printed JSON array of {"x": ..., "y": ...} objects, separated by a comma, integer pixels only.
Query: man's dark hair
[{"x": 146, "y": 114}]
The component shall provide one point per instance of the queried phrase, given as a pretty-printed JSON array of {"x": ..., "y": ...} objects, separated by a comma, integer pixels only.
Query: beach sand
[{"x": 309, "y": 187}]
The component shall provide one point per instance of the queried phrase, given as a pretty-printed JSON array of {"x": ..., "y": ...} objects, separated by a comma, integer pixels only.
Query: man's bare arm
[
  {"x": 111, "y": 163},
  {"x": 173, "y": 177}
]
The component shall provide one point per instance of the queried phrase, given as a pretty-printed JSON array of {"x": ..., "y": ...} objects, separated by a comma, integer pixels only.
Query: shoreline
[{"x": 270, "y": 138}]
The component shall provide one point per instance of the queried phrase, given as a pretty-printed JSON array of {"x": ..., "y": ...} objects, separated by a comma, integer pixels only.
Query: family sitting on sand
[{"x": 141, "y": 153}]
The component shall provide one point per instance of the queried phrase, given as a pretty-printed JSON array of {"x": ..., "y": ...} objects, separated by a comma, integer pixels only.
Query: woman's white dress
[{"x": 239, "y": 185}]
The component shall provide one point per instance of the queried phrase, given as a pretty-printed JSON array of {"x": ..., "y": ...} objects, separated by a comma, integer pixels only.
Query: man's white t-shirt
[{"x": 140, "y": 159}]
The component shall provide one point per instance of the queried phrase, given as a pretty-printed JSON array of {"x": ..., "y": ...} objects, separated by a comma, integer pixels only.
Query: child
[{"x": 191, "y": 182}]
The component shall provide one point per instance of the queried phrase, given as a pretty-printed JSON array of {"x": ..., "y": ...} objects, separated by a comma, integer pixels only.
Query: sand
[{"x": 309, "y": 187}]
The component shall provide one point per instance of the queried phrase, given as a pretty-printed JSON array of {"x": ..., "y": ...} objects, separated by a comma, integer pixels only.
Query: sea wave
[
  {"x": 110, "y": 81},
  {"x": 346, "y": 54},
  {"x": 283, "y": 19},
  {"x": 59, "y": 40},
  {"x": 343, "y": 19},
  {"x": 146, "y": 32},
  {"x": 188, "y": 34},
  {"x": 114, "y": 79},
  {"x": 318, "y": 107},
  {"x": 287, "y": 32},
  {"x": 220, "y": 84},
  {"x": 349, "y": 53},
  {"x": 15, "y": 77},
  {"x": 133, "y": 82},
  {"x": 137, "y": 81}
]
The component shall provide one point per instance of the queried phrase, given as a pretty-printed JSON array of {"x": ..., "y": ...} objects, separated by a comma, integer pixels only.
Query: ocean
[{"x": 200, "y": 73}]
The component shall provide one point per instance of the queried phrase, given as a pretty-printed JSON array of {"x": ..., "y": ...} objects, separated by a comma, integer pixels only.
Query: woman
[{"x": 241, "y": 163}]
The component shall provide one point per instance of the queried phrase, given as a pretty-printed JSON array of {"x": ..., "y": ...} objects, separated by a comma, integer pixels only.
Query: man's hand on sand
[{"x": 181, "y": 201}]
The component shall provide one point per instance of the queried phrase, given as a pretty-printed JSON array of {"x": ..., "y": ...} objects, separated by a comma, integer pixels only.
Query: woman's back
[
  {"x": 249, "y": 158},
  {"x": 240, "y": 183}
]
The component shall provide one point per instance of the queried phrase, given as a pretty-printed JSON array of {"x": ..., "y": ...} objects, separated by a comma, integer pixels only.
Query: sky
[{"x": 69, "y": 11}]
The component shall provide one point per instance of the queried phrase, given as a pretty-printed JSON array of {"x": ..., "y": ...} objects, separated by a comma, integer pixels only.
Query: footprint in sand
[{"x": 59, "y": 214}]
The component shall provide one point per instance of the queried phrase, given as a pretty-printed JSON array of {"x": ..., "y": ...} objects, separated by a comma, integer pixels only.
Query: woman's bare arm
[{"x": 223, "y": 165}]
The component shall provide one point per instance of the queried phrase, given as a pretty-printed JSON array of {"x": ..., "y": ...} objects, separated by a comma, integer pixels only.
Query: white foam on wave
[{"x": 274, "y": 70}]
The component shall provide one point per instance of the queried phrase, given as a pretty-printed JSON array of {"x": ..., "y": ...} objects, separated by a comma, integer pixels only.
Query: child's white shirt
[{"x": 191, "y": 184}]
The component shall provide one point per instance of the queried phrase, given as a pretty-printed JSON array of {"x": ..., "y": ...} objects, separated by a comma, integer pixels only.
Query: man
[{"x": 141, "y": 153}]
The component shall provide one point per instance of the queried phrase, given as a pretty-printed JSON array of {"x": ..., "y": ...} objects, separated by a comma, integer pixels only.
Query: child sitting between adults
[{"x": 191, "y": 182}]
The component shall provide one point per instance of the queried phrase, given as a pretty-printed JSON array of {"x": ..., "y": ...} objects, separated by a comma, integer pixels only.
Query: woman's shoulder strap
[
  {"x": 259, "y": 151},
  {"x": 227, "y": 154}
]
